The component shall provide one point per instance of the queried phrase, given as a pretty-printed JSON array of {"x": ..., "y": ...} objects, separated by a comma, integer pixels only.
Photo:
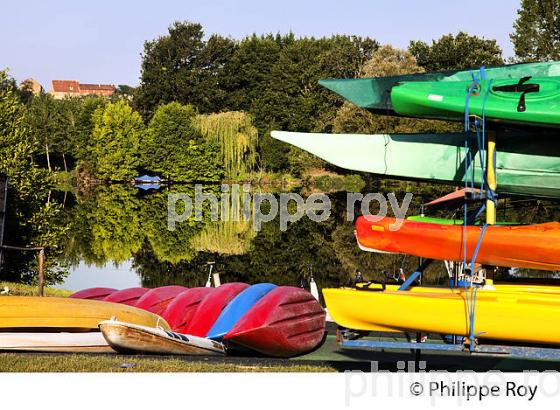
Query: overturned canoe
[
  {"x": 130, "y": 338},
  {"x": 89, "y": 342},
  {"x": 286, "y": 322},
  {"x": 156, "y": 300},
  {"x": 517, "y": 317},
  {"x": 522, "y": 246},
  {"x": 237, "y": 308},
  {"x": 181, "y": 310},
  {"x": 210, "y": 308},
  {"x": 93, "y": 293},
  {"x": 127, "y": 296},
  {"x": 373, "y": 93},
  {"x": 524, "y": 166},
  {"x": 21, "y": 313}
]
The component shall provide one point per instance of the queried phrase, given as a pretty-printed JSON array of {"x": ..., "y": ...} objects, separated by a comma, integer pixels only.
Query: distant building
[
  {"x": 71, "y": 88},
  {"x": 31, "y": 86}
]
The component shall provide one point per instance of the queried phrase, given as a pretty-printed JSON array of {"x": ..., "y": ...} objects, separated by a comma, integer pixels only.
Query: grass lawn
[
  {"x": 18, "y": 289},
  {"x": 29, "y": 362}
]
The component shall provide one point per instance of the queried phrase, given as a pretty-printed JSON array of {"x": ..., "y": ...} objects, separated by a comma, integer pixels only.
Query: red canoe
[
  {"x": 126, "y": 296},
  {"x": 211, "y": 306},
  {"x": 181, "y": 310},
  {"x": 286, "y": 322},
  {"x": 521, "y": 246},
  {"x": 156, "y": 300},
  {"x": 93, "y": 293}
]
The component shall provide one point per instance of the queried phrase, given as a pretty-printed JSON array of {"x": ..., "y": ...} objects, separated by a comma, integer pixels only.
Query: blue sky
[{"x": 101, "y": 41}]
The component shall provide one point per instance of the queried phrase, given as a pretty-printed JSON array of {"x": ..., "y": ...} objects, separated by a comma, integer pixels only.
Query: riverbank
[{"x": 19, "y": 289}]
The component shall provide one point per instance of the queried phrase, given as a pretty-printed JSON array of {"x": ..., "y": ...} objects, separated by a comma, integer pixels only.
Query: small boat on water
[
  {"x": 286, "y": 322},
  {"x": 93, "y": 293},
  {"x": 129, "y": 338},
  {"x": 210, "y": 308},
  {"x": 89, "y": 342},
  {"x": 181, "y": 310},
  {"x": 157, "y": 299},
  {"x": 52, "y": 314},
  {"x": 522, "y": 246},
  {"x": 127, "y": 296},
  {"x": 237, "y": 308},
  {"x": 508, "y": 316}
]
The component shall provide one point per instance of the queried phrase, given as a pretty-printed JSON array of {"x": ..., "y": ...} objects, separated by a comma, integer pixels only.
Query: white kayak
[
  {"x": 90, "y": 342},
  {"x": 129, "y": 338}
]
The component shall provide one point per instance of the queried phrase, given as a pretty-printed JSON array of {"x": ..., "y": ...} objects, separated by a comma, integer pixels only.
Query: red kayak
[
  {"x": 211, "y": 306},
  {"x": 156, "y": 300},
  {"x": 93, "y": 293},
  {"x": 181, "y": 310},
  {"x": 126, "y": 296},
  {"x": 286, "y": 322}
]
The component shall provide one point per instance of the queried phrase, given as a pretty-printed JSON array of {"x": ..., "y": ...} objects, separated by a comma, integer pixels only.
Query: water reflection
[{"x": 123, "y": 225}]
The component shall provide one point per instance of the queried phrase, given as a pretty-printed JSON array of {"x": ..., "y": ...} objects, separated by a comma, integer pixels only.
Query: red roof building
[{"x": 72, "y": 88}]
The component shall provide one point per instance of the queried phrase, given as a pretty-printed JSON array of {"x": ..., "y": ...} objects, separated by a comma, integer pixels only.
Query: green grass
[
  {"x": 18, "y": 289},
  {"x": 28, "y": 362}
]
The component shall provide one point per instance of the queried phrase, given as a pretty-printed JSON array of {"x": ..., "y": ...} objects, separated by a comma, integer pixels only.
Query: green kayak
[
  {"x": 528, "y": 100},
  {"x": 373, "y": 93},
  {"x": 524, "y": 166},
  {"x": 445, "y": 221}
]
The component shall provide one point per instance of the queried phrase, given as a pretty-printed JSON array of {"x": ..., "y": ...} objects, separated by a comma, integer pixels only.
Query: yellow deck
[
  {"x": 530, "y": 317},
  {"x": 75, "y": 315}
]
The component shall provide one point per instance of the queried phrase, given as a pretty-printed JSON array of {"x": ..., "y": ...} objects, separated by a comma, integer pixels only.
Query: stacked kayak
[
  {"x": 526, "y": 101},
  {"x": 374, "y": 94},
  {"x": 526, "y": 164},
  {"x": 524, "y": 246},
  {"x": 506, "y": 316}
]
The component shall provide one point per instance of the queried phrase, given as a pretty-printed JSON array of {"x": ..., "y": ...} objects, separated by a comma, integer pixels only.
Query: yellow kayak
[
  {"x": 529, "y": 317},
  {"x": 18, "y": 313}
]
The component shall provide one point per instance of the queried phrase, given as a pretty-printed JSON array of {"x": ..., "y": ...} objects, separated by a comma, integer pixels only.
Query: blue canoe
[{"x": 237, "y": 308}]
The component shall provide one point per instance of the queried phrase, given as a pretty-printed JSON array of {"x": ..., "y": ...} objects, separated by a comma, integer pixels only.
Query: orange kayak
[{"x": 522, "y": 246}]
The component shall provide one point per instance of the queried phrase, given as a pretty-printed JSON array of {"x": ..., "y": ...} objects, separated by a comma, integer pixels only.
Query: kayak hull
[
  {"x": 373, "y": 93},
  {"x": 237, "y": 308},
  {"x": 129, "y": 338},
  {"x": 90, "y": 342},
  {"x": 35, "y": 314},
  {"x": 210, "y": 308},
  {"x": 522, "y": 246},
  {"x": 286, "y": 322},
  {"x": 93, "y": 293},
  {"x": 524, "y": 166},
  {"x": 181, "y": 310},
  {"x": 156, "y": 300},
  {"x": 516, "y": 317},
  {"x": 127, "y": 296}
]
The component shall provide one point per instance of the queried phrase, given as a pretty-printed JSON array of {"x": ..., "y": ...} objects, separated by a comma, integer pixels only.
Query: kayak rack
[{"x": 517, "y": 352}]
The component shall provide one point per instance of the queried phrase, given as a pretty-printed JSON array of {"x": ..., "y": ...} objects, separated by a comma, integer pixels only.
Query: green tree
[
  {"x": 181, "y": 66},
  {"x": 174, "y": 147},
  {"x": 117, "y": 132},
  {"x": 456, "y": 52},
  {"x": 31, "y": 218},
  {"x": 536, "y": 35}
]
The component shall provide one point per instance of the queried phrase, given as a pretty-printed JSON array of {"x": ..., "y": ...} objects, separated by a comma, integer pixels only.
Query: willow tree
[{"x": 234, "y": 132}]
